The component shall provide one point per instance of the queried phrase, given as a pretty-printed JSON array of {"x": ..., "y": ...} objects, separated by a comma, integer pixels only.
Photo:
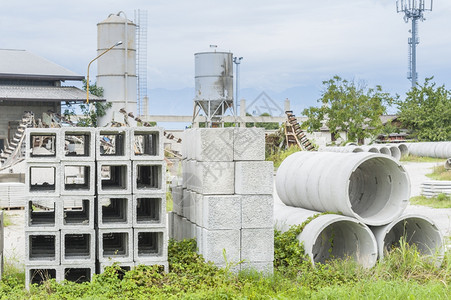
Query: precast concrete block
[
  {"x": 177, "y": 197},
  {"x": 42, "y": 248},
  {"x": 150, "y": 244},
  {"x": 39, "y": 274},
  {"x": 163, "y": 264},
  {"x": 78, "y": 246},
  {"x": 178, "y": 227},
  {"x": 115, "y": 211},
  {"x": 257, "y": 245},
  {"x": 171, "y": 224},
  {"x": 115, "y": 244},
  {"x": 214, "y": 178},
  {"x": 193, "y": 211},
  {"x": 149, "y": 210},
  {"x": 184, "y": 173},
  {"x": 113, "y": 143},
  {"x": 186, "y": 229},
  {"x": 189, "y": 174},
  {"x": 199, "y": 239},
  {"x": 123, "y": 266},
  {"x": 41, "y": 214},
  {"x": 43, "y": 179},
  {"x": 214, "y": 144},
  {"x": 78, "y": 144},
  {"x": 219, "y": 243},
  {"x": 43, "y": 145},
  {"x": 186, "y": 200},
  {"x": 248, "y": 144},
  {"x": 114, "y": 177},
  {"x": 187, "y": 144},
  {"x": 254, "y": 177},
  {"x": 149, "y": 176},
  {"x": 265, "y": 267},
  {"x": 76, "y": 212},
  {"x": 257, "y": 211},
  {"x": 199, "y": 209},
  {"x": 221, "y": 212},
  {"x": 78, "y": 273},
  {"x": 146, "y": 143},
  {"x": 78, "y": 178}
]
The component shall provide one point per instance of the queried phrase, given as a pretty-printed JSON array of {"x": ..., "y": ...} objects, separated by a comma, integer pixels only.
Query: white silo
[
  {"x": 213, "y": 83},
  {"x": 116, "y": 71}
]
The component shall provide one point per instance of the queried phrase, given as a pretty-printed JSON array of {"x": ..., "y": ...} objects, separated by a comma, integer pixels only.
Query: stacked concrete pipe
[
  {"x": 390, "y": 150},
  {"x": 371, "y": 189},
  {"x": 430, "y": 149}
]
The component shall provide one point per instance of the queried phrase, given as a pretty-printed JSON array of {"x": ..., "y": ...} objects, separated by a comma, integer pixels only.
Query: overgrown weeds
[
  {"x": 440, "y": 201},
  {"x": 278, "y": 156},
  {"x": 440, "y": 173}
]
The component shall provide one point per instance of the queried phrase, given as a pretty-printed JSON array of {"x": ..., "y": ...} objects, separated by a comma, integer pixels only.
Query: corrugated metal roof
[
  {"x": 23, "y": 64},
  {"x": 44, "y": 93}
]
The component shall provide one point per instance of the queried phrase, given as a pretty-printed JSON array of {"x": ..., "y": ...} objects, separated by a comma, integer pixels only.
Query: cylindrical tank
[
  {"x": 213, "y": 81},
  {"x": 329, "y": 236},
  {"x": 116, "y": 70},
  {"x": 416, "y": 229},
  {"x": 374, "y": 188}
]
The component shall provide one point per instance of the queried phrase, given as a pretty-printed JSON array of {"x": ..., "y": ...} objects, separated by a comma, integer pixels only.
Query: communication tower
[{"x": 413, "y": 10}]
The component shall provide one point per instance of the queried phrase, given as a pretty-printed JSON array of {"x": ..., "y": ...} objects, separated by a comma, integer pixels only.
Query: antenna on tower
[
  {"x": 413, "y": 9},
  {"x": 141, "y": 61}
]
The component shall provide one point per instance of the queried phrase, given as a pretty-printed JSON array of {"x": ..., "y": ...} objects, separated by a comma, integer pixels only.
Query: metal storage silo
[
  {"x": 116, "y": 71},
  {"x": 213, "y": 83}
]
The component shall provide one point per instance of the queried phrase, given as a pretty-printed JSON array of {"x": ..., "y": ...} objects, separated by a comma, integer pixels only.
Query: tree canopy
[
  {"x": 426, "y": 111},
  {"x": 350, "y": 107}
]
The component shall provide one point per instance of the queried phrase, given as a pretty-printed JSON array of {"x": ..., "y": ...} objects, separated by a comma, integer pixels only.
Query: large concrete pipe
[
  {"x": 394, "y": 152},
  {"x": 373, "y": 188},
  {"x": 416, "y": 229},
  {"x": 430, "y": 149},
  {"x": 329, "y": 236},
  {"x": 345, "y": 149},
  {"x": 383, "y": 149},
  {"x": 403, "y": 148},
  {"x": 371, "y": 149}
]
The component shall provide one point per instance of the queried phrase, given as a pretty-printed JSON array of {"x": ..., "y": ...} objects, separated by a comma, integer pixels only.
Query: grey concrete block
[
  {"x": 254, "y": 177},
  {"x": 214, "y": 144},
  {"x": 42, "y": 248},
  {"x": 115, "y": 211},
  {"x": 149, "y": 210},
  {"x": 149, "y": 176},
  {"x": 266, "y": 267},
  {"x": 76, "y": 212},
  {"x": 221, "y": 212},
  {"x": 199, "y": 239},
  {"x": 257, "y": 245},
  {"x": 199, "y": 209},
  {"x": 219, "y": 243},
  {"x": 78, "y": 246},
  {"x": 78, "y": 144},
  {"x": 178, "y": 228},
  {"x": 39, "y": 274},
  {"x": 187, "y": 142},
  {"x": 114, "y": 177},
  {"x": 257, "y": 211},
  {"x": 115, "y": 245},
  {"x": 78, "y": 178},
  {"x": 42, "y": 214},
  {"x": 78, "y": 272},
  {"x": 43, "y": 179},
  {"x": 189, "y": 174},
  {"x": 113, "y": 143},
  {"x": 216, "y": 178},
  {"x": 43, "y": 145},
  {"x": 146, "y": 143},
  {"x": 150, "y": 244},
  {"x": 124, "y": 265},
  {"x": 248, "y": 144},
  {"x": 170, "y": 218},
  {"x": 177, "y": 198},
  {"x": 187, "y": 202},
  {"x": 193, "y": 210},
  {"x": 163, "y": 264}
]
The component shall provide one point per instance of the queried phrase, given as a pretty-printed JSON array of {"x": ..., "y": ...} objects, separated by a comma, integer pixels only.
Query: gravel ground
[{"x": 14, "y": 243}]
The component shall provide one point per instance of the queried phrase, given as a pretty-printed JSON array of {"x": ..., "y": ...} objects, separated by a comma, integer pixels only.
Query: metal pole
[{"x": 237, "y": 61}]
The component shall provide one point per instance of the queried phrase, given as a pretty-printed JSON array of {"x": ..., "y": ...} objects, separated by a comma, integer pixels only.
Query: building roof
[
  {"x": 21, "y": 64},
  {"x": 44, "y": 93}
]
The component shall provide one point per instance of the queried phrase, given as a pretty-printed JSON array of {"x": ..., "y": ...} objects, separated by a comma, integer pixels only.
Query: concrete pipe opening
[
  {"x": 384, "y": 150},
  {"x": 395, "y": 152},
  {"x": 371, "y": 149},
  {"x": 404, "y": 149},
  {"x": 448, "y": 164},
  {"x": 357, "y": 149},
  {"x": 416, "y": 230}
]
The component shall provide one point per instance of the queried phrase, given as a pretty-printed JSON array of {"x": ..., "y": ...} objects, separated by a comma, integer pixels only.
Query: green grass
[
  {"x": 435, "y": 202},
  {"x": 279, "y": 156},
  {"x": 440, "y": 173},
  {"x": 403, "y": 274},
  {"x": 6, "y": 219},
  {"x": 413, "y": 158}
]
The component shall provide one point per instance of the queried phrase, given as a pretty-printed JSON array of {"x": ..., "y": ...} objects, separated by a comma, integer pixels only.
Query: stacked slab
[
  {"x": 92, "y": 200},
  {"x": 224, "y": 199}
]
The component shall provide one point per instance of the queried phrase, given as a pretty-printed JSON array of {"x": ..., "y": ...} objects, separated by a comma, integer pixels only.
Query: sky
[{"x": 285, "y": 44}]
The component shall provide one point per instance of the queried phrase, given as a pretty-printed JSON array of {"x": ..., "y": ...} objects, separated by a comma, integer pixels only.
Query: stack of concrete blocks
[
  {"x": 224, "y": 199},
  {"x": 59, "y": 224},
  {"x": 131, "y": 197},
  {"x": 2, "y": 236}
]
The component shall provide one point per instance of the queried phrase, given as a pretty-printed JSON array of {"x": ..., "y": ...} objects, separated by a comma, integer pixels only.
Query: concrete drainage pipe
[
  {"x": 430, "y": 149},
  {"x": 329, "y": 236},
  {"x": 448, "y": 164},
  {"x": 371, "y": 149},
  {"x": 403, "y": 148},
  {"x": 395, "y": 152},
  {"x": 384, "y": 150},
  {"x": 417, "y": 230},
  {"x": 373, "y": 188}
]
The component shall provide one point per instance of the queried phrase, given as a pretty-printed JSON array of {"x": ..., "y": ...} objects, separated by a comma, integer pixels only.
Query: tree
[
  {"x": 91, "y": 112},
  {"x": 426, "y": 112},
  {"x": 347, "y": 106}
]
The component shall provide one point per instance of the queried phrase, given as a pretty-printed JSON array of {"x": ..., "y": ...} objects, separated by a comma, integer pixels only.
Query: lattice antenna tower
[
  {"x": 413, "y": 10},
  {"x": 141, "y": 61}
]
